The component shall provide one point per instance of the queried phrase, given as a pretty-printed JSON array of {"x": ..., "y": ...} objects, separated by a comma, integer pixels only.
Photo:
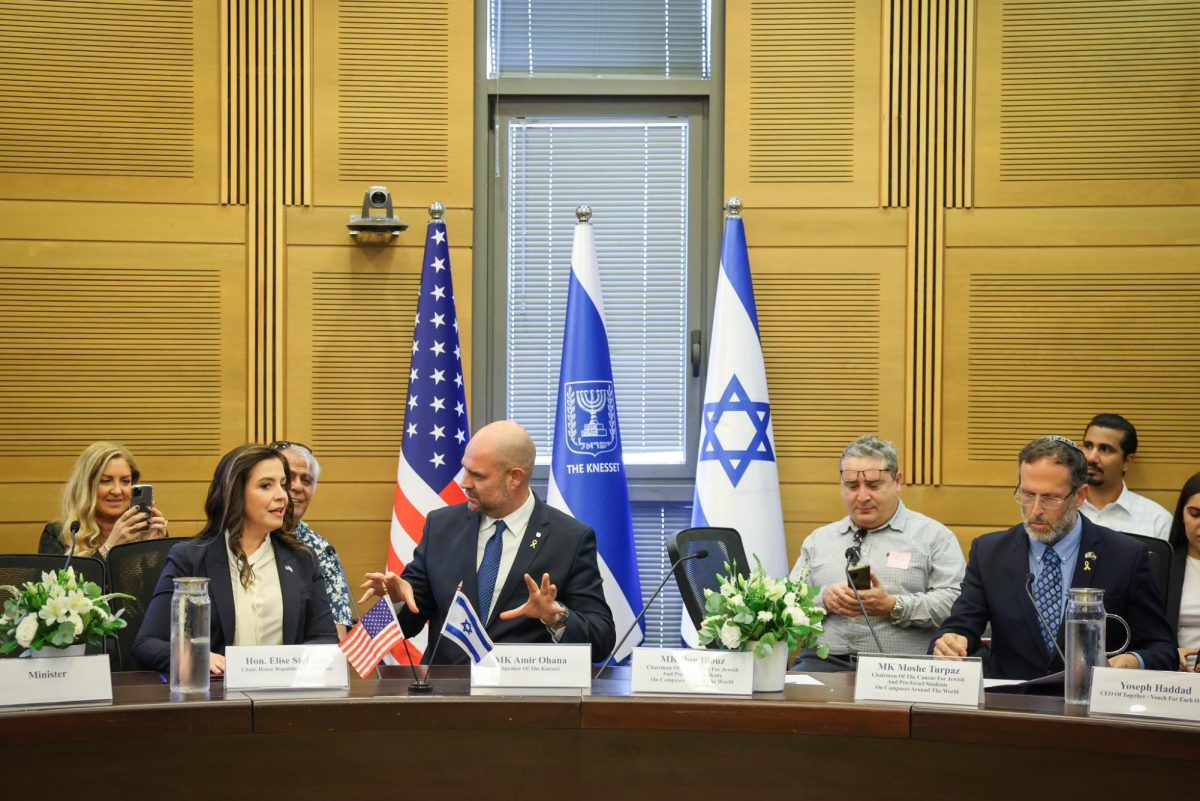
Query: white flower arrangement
[
  {"x": 59, "y": 611},
  {"x": 764, "y": 611}
]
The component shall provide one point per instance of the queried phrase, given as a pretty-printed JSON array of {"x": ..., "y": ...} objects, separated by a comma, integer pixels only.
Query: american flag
[
  {"x": 435, "y": 415},
  {"x": 376, "y": 634}
]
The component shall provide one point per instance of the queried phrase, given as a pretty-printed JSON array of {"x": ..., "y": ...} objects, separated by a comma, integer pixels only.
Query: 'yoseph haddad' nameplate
[{"x": 1145, "y": 694}]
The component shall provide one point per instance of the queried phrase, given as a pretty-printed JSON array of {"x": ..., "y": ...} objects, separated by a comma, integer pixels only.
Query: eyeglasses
[
  {"x": 1028, "y": 499},
  {"x": 869, "y": 476},
  {"x": 283, "y": 445}
]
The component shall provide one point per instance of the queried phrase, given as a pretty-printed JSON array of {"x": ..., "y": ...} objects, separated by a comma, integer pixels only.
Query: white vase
[
  {"x": 769, "y": 671},
  {"x": 50, "y": 652}
]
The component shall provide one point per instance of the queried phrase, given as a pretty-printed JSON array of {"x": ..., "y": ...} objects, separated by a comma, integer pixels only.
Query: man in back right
[{"x": 1109, "y": 443}]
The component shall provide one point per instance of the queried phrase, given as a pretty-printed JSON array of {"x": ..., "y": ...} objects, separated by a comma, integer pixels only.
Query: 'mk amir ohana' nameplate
[
  {"x": 692, "y": 671},
  {"x": 1145, "y": 694},
  {"x": 285, "y": 667},
  {"x": 61, "y": 680},
  {"x": 540, "y": 666},
  {"x": 919, "y": 680}
]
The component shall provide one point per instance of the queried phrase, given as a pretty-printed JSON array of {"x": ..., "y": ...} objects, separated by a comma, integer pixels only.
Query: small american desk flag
[{"x": 376, "y": 634}]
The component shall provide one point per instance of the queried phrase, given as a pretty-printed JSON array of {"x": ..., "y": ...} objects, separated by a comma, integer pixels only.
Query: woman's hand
[
  {"x": 130, "y": 527},
  {"x": 158, "y": 526},
  {"x": 216, "y": 664}
]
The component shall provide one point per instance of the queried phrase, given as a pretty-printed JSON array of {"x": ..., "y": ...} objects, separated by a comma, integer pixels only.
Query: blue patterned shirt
[{"x": 336, "y": 585}]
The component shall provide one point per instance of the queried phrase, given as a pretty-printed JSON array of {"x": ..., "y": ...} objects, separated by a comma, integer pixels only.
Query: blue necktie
[
  {"x": 1049, "y": 596},
  {"x": 489, "y": 569}
]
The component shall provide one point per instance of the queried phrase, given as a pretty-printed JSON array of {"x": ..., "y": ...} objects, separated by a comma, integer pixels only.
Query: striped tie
[{"x": 489, "y": 569}]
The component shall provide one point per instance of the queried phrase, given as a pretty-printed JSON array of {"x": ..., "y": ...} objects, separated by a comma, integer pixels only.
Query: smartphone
[
  {"x": 860, "y": 577},
  {"x": 143, "y": 497}
]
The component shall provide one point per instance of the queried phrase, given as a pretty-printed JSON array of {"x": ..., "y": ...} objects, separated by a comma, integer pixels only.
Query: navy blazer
[
  {"x": 306, "y": 615},
  {"x": 554, "y": 543},
  {"x": 994, "y": 591}
]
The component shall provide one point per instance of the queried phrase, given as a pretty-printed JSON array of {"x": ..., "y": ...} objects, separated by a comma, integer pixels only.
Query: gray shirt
[{"x": 916, "y": 558}]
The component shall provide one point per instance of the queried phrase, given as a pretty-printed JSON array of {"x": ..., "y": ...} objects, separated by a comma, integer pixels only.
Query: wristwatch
[
  {"x": 898, "y": 609},
  {"x": 556, "y": 626}
]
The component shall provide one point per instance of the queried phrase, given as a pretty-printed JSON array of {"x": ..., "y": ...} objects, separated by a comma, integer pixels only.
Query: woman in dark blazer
[
  {"x": 1183, "y": 592},
  {"x": 266, "y": 587}
]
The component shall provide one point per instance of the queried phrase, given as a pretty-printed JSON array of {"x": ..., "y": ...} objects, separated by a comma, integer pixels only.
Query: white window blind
[
  {"x": 634, "y": 175},
  {"x": 653, "y": 523},
  {"x": 599, "y": 38}
]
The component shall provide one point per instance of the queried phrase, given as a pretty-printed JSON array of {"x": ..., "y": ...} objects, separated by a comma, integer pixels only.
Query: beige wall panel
[
  {"x": 1039, "y": 340},
  {"x": 349, "y": 323},
  {"x": 803, "y": 106},
  {"x": 141, "y": 343},
  {"x": 1087, "y": 103},
  {"x": 121, "y": 222},
  {"x": 327, "y": 226},
  {"x": 110, "y": 101},
  {"x": 1169, "y": 225},
  {"x": 827, "y": 227},
  {"x": 392, "y": 102},
  {"x": 835, "y": 361}
]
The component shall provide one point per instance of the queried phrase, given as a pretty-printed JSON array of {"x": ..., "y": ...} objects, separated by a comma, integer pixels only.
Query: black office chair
[
  {"x": 134, "y": 568},
  {"x": 724, "y": 545},
  {"x": 18, "y": 568},
  {"x": 1160, "y": 562}
]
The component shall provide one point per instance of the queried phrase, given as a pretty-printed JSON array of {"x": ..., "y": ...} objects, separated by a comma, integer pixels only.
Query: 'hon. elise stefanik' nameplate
[
  {"x": 692, "y": 671},
  {"x": 285, "y": 667},
  {"x": 61, "y": 680}
]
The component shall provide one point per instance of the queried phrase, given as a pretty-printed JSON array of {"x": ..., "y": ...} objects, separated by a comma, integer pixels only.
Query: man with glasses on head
[
  {"x": 1054, "y": 548},
  {"x": 306, "y": 470},
  {"x": 916, "y": 564}
]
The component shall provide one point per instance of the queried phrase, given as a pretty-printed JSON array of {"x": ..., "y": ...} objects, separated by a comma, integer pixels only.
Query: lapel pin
[
  {"x": 1087, "y": 561},
  {"x": 288, "y": 568}
]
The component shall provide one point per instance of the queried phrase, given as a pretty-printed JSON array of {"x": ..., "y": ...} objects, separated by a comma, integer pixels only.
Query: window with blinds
[
  {"x": 600, "y": 38},
  {"x": 653, "y": 523},
  {"x": 633, "y": 173}
]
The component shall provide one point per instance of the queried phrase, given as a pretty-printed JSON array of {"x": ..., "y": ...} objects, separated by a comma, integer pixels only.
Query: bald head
[{"x": 497, "y": 466}]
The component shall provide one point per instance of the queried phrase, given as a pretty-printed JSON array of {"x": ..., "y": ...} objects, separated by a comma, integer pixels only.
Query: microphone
[
  {"x": 74, "y": 534},
  {"x": 702, "y": 553},
  {"x": 852, "y": 555},
  {"x": 1029, "y": 592}
]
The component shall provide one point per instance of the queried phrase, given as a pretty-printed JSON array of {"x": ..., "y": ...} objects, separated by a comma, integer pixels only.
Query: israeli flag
[
  {"x": 737, "y": 479},
  {"x": 465, "y": 630},
  {"x": 587, "y": 474}
]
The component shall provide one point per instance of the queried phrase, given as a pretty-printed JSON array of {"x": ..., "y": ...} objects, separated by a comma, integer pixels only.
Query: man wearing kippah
[{"x": 1017, "y": 580}]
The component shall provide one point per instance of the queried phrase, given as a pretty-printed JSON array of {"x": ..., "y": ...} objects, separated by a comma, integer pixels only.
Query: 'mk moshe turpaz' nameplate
[
  {"x": 692, "y": 671},
  {"x": 285, "y": 667},
  {"x": 1145, "y": 694},
  {"x": 919, "y": 680},
  {"x": 62, "y": 680}
]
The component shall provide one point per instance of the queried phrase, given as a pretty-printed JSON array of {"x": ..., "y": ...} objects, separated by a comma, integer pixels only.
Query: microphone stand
[
  {"x": 857, "y": 597},
  {"x": 74, "y": 534},
  {"x": 702, "y": 553}
]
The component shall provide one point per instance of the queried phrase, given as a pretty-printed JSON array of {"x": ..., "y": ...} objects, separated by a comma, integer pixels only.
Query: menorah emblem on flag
[{"x": 598, "y": 401}]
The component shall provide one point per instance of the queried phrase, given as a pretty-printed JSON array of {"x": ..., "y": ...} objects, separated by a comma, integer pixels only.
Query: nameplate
[
  {"x": 1145, "y": 694},
  {"x": 535, "y": 666},
  {"x": 690, "y": 671},
  {"x": 919, "y": 680},
  {"x": 285, "y": 667},
  {"x": 57, "y": 680}
]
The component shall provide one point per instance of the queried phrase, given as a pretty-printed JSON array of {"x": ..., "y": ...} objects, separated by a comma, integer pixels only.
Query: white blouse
[
  {"x": 259, "y": 607},
  {"x": 1189, "y": 606}
]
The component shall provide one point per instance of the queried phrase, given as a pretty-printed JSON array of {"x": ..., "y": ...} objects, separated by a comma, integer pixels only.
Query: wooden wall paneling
[
  {"x": 1040, "y": 339},
  {"x": 392, "y": 101},
  {"x": 803, "y": 103},
  {"x": 834, "y": 363},
  {"x": 1088, "y": 102},
  {"x": 109, "y": 101}
]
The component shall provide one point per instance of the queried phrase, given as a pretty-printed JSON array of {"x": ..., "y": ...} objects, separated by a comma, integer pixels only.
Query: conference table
[{"x": 375, "y": 740}]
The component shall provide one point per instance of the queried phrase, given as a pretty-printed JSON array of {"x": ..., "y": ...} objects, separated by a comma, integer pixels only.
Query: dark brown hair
[
  {"x": 1178, "y": 538},
  {"x": 225, "y": 506}
]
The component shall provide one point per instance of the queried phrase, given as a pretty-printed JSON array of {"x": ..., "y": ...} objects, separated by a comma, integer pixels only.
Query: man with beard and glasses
[
  {"x": 1110, "y": 443},
  {"x": 1059, "y": 548}
]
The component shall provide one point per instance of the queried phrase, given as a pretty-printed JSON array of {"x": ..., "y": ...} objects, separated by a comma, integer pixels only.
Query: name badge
[
  {"x": 540, "y": 666},
  {"x": 1145, "y": 694},
  {"x": 58, "y": 680},
  {"x": 285, "y": 667},
  {"x": 692, "y": 671},
  {"x": 919, "y": 680}
]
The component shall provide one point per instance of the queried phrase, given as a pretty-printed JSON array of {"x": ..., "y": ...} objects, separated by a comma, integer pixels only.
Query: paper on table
[
  {"x": 990, "y": 683},
  {"x": 800, "y": 678}
]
